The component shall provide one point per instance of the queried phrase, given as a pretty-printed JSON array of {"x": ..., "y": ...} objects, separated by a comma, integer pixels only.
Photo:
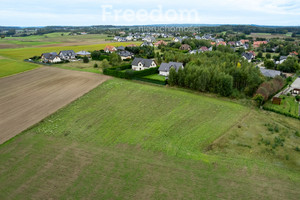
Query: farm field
[
  {"x": 16, "y": 56},
  {"x": 10, "y": 67},
  {"x": 29, "y": 97},
  {"x": 53, "y": 39},
  {"x": 125, "y": 140},
  {"x": 269, "y": 35}
]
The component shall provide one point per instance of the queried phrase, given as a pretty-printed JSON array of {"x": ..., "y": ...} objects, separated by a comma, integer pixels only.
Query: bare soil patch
[{"x": 29, "y": 97}]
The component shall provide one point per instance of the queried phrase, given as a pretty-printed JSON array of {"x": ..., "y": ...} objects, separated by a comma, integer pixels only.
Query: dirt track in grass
[{"x": 29, "y": 97}]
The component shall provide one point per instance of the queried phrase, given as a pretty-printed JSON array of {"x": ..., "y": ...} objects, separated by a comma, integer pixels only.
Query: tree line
[{"x": 219, "y": 72}]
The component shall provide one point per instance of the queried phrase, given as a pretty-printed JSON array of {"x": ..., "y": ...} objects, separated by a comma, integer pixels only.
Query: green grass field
[
  {"x": 16, "y": 57},
  {"x": 125, "y": 140},
  {"x": 156, "y": 77},
  {"x": 10, "y": 67},
  {"x": 288, "y": 105}
]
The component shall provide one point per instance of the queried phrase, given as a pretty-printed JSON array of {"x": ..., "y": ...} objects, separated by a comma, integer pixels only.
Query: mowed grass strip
[{"x": 156, "y": 118}]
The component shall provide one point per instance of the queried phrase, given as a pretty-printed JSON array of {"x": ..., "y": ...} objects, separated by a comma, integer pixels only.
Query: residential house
[
  {"x": 248, "y": 56},
  {"x": 164, "y": 68},
  {"x": 125, "y": 55},
  {"x": 149, "y": 39},
  {"x": 67, "y": 55},
  {"x": 131, "y": 45},
  {"x": 219, "y": 40},
  {"x": 281, "y": 59},
  {"x": 185, "y": 47},
  {"x": 231, "y": 43},
  {"x": 139, "y": 64},
  {"x": 120, "y": 39},
  {"x": 270, "y": 73},
  {"x": 203, "y": 49},
  {"x": 238, "y": 43},
  {"x": 177, "y": 39},
  {"x": 197, "y": 37},
  {"x": 161, "y": 42},
  {"x": 195, "y": 51},
  {"x": 208, "y": 37},
  {"x": 50, "y": 57},
  {"x": 257, "y": 44},
  {"x": 129, "y": 38},
  {"x": 294, "y": 53},
  {"x": 120, "y": 48},
  {"x": 246, "y": 46},
  {"x": 117, "y": 38},
  {"x": 110, "y": 49},
  {"x": 221, "y": 43},
  {"x": 147, "y": 44},
  {"x": 244, "y": 41},
  {"x": 83, "y": 53}
]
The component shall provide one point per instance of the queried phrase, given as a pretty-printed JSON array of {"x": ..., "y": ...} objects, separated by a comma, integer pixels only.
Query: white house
[
  {"x": 139, "y": 64},
  {"x": 129, "y": 38},
  {"x": 164, "y": 68},
  {"x": 50, "y": 57},
  {"x": 67, "y": 55},
  {"x": 177, "y": 39}
]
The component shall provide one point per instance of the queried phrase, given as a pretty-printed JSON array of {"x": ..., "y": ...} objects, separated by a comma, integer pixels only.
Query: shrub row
[
  {"x": 126, "y": 72},
  {"x": 280, "y": 112}
]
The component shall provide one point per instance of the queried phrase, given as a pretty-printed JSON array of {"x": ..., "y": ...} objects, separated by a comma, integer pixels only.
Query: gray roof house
[
  {"x": 248, "y": 56},
  {"x": 50, "y": 57},
  {"x": 281, "y": 59},
  {"x": 269, "y": 72},
  {"x": 120, "y": 48},
  {"x": 164, "y": 68},
  {"x": 147, "y": 44},
  {"x": 67, "y": 55},
  {"x": 141, "y": 64},
  {"x": 125, "y": 54},
  {"x": 83, "y": 53}
]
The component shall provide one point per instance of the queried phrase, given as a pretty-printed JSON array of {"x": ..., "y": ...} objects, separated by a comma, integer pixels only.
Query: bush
[
  {"x": 85, "y": 59},
  {"x": 95, "y": 65},
  {"x": 270, "y": 88}
]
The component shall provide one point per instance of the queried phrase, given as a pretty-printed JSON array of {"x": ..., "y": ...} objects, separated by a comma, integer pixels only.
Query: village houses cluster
[{"x": 150, "y": 39}]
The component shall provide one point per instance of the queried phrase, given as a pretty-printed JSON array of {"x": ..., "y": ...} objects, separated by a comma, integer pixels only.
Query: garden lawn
[
  {"x": 288, "y": 105},
  {"x": 155, "y": 77}
]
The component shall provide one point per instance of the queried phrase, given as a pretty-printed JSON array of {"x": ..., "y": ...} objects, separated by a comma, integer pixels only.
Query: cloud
[{"x": 89, "y": 12}]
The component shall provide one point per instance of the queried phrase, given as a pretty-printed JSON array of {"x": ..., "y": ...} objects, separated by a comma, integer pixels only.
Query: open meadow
[{"x": 126, "y": 140}]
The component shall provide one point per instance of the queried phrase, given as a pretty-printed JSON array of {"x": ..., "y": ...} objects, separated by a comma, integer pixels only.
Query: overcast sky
[{"x": 139, "y": 12}]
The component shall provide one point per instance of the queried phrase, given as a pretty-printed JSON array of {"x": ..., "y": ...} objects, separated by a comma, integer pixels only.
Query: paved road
[{"x": 29, "y": 97}]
